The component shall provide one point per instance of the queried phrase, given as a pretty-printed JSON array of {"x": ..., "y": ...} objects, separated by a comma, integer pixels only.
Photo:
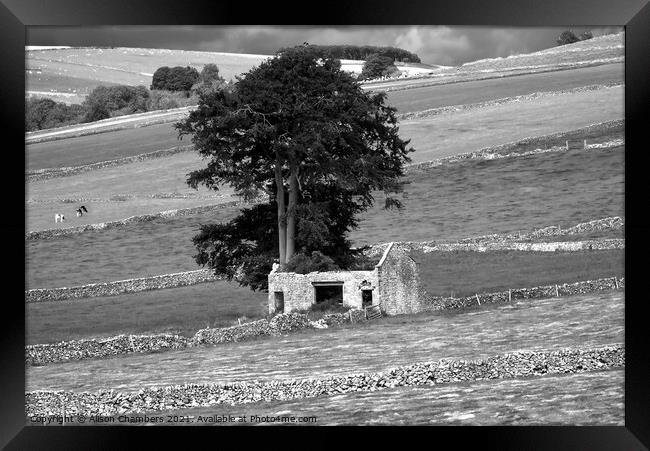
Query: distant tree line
[
  {"x": 569, "y": 37},
  {"x": 172, "y": 88},
  {"x": 362, "y": 52}
]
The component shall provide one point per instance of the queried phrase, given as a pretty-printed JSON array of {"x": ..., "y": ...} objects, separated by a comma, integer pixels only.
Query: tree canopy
[
  {"x": 378, "y": 66},
  {"x": 42, "y": 113},
  {"x": 567, "y": 37},
  {"x": 362, "y": 52},
  {"x": 302, "y": 131},
  {"x": 174, "y": 78},
  {"x": 105, "y": 100}
]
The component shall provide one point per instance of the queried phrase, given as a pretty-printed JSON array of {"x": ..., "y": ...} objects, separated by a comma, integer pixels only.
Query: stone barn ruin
[{"x": 393, "y": 285}]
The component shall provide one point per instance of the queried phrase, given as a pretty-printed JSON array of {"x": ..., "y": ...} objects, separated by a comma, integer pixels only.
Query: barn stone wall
[
  {"x": 399, "y": 282},
  {"x": 298, "y": 289}
]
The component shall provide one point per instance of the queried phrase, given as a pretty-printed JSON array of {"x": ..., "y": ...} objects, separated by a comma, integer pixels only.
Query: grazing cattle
[
  {"x": 81, "y": 210},
  {"x": 58, "y": 217}
]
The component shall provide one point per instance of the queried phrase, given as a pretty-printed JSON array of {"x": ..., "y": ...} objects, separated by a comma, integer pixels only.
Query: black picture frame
[{"x": 15, "y": 15}]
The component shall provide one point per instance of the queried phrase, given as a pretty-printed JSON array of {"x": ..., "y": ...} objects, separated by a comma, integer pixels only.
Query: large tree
[{"x": 294, "y": 126}]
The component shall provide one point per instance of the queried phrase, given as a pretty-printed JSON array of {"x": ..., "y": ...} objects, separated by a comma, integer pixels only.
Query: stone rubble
[{"x": 446, "y": 371}]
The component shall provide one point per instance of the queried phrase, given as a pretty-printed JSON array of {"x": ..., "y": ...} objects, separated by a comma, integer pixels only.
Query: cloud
[{"x": 434, "y": 44}]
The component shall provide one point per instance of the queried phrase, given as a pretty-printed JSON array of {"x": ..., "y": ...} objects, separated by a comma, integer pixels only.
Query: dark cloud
[{"x": 434, "y": 44}]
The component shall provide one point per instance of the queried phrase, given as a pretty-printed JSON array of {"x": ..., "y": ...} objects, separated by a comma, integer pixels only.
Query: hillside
[
  {"x": 69, "y": 74},
  {"x": 517, "y": 181},
  {"x": 605, "y": 49}
]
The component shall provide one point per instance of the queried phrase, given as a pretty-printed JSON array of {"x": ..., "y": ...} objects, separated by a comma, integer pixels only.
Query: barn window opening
[
  {"x": 330, "y": 292},
  {"x": 366, "y": 298},
  {"x": 279, "y": 302}
]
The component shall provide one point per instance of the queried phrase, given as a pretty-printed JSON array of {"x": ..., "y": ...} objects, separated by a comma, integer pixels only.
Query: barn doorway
[
  {"x": 328, "y": 292},
  {"x": 279, "y": 302},
  {"x": 366, "y": 298}
]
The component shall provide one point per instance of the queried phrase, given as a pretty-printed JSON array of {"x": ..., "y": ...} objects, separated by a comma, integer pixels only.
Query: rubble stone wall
[
  {"x": 560, "y": 246},
  {"x": 547, "y": 291},
  {"x": 50, "y": 173},
  {"x": 115, "y": 288},
  {"x": 298, "y": 289},
  {"x": 150, "y": 399},
  {"x": 41, "y": 354},
  {"x": 69, "y": 231}
]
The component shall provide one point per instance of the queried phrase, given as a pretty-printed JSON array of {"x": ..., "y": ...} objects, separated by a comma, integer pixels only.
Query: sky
[{"x": 433, "y": 44}]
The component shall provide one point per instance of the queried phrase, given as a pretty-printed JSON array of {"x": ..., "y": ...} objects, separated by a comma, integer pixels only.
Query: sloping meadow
[{"x": 447, "y": 202}]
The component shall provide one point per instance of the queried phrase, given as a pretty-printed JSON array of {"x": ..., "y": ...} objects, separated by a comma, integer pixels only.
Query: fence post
[
  {"x": 509, "y": 295},
  {"x": 477, "y": 300},
  {"x": 557, "y": 292},
  {"x": 585, "y": 144},
  {"x": 616, "y": 282},
  {"x": 132, "y": 344},
  {"x": 350, "y": 313},
  {"x": 567, "y": 145}
]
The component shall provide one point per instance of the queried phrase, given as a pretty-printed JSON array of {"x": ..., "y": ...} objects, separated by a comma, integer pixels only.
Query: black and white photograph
[{"x": 325, "y": 225}]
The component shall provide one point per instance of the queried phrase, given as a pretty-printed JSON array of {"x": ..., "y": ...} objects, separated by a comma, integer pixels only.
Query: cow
[
  {"x": 59, "y": 217},
  {"x": 81, "y": 210}
]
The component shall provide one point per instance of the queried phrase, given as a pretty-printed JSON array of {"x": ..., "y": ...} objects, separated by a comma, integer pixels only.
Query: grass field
[
  {"x": 79, "y": 70},
  {"x": 102, "y": 147},
  {"x": 593, "y": 52},
  {"x": 444, "y": 203},
  {"x": 186, "y": 309},
  {"x": 495, "y": 196},
  {"x": 365, "y": 347},
  {"x": 419, "y": 99},
  {"x": 440, "y": 136},
  {"x": 179, "y": 311},
  {"x": 63, "y": 69},
  {"x": 466, "y": 131},
  {"x": 118, "y": 192},
  {"x": 123, "y": 143},
  {"x": 549, "y": 400},
  {"x": 466, "y": 273},
  {"x": 596, "y": 49}
]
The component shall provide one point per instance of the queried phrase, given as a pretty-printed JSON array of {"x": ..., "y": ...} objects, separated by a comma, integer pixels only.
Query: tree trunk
[
  {"x": 291, "y": 213},
  {"x": 282, "y": 218}
]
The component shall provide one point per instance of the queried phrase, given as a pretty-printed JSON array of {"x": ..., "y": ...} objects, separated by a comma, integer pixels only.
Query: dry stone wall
[
  {"x": 120, "y": 286},
  {"x": 151, "y": 399},
  {"x": 278, "y": 325},
  {"x": 562, "y": 246},
  {"x": 42, "y": 354},
  {"x": 50, "y": 173},
  {"x": 521, "y": 98},
  {"x": 503, "y": 241},
  {"x": 69, "y": 231},
  {"x": 548, "y": 291},
  {"x": 511, "y": 149}
]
